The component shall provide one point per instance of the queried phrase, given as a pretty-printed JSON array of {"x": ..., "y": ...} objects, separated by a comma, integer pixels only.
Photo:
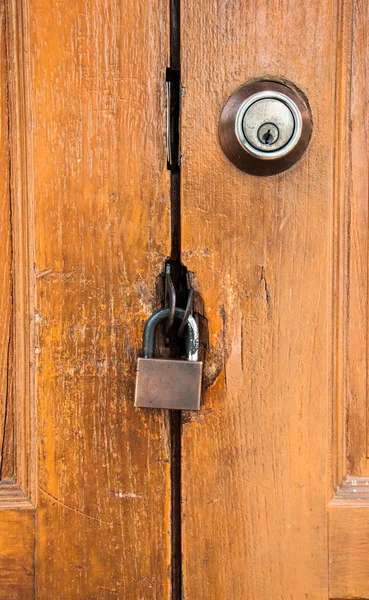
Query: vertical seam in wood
[{"x": 176, "y": 416}]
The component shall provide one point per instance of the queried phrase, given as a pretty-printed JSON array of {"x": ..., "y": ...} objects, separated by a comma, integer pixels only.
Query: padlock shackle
[{"x": 192, "y": 339}]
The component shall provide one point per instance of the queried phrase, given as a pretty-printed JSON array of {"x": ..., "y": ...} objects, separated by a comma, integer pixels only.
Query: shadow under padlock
[{"x": 169, "y": 383}]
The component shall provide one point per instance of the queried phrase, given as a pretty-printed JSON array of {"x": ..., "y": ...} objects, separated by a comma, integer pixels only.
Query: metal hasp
[
  {"x": 265, "y": 127},
  {"x": 169, "y": 383}
]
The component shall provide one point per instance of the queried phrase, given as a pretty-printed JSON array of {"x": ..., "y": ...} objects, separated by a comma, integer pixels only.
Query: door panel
[
  {"x": 349, "y": 507},
  {"x": 354, "y": 260},
  {"x": 255, "y": 462},
  {"x": 17, "y": 552},
  {"x": 17, "y": 517},
  {"x": 348, "y": 551},
  {"x": 87, "y": 98},
  {"x": 102, "y": 233},
  {"x": 6, "y": 308}
]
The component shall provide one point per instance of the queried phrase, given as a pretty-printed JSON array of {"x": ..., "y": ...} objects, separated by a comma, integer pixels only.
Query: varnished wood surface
[
  {"x": 101, "y": 204},
  {"x": 17, "y": 517},
  {"x": 17, "y": 554},
  {"x": 281, "y": 278},
  {"x": 357, "y": 289},
  {"x": 349, "y": 508},
  {"x": 255, "y": 461},
  {"x": 22, "y": 230},
  {"x": 6, "y": 300},
  {"x": 349, "y": 552}
]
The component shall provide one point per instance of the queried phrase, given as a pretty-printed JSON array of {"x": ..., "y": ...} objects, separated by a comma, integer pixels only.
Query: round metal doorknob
[{"x": 265, "y": 127}]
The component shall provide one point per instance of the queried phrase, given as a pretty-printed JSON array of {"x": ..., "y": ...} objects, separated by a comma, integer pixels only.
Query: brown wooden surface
[
  {"x": 17, "y": 518},
  {"x": 349, "y": 552},
  {"x": 357, "y": 275},
  {"x": 16, "y": 554},
  {"x": 349, "y": 508},
  {"x": 101, "y": 204},
  {"x": 281, "y": 274},
  {"x": 22, "y": 219},
  {"x": 6, "y": 311},
  {"x": 255, "y": 461}
]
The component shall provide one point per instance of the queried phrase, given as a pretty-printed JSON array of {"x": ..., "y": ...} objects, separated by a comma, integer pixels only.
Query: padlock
[{"x": 169, "y": 383}]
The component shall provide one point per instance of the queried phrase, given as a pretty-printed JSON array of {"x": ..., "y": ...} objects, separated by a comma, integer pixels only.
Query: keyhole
[
  {"x": 268, "y": 138},
  {"x": 268, "y": 134}
]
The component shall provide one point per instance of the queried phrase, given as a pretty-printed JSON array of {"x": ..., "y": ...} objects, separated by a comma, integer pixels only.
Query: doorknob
[{"x": 265, "y": 127}]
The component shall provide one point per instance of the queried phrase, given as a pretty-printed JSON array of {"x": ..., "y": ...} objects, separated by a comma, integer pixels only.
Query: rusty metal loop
[
  {"x": 187, "y": 313},
  {"x": 192, "y": 345},
  {"x": 170, "y": 293}
]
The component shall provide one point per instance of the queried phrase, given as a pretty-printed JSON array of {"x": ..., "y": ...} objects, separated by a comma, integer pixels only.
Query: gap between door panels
[{"x": 174, "y": 78}]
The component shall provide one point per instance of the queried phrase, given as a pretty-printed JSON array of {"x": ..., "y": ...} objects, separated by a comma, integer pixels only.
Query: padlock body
[{"x": 173, "y": 384}]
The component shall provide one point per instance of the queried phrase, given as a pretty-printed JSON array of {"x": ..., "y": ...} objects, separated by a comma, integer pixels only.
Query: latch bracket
[{"x": 173, "y": 118}]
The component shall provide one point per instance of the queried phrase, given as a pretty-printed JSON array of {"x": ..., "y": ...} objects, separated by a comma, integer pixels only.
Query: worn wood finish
[
  {"x": 6, "y": 305},
  {"x": 349, "y": 552},
  {"x": 349, "y": 508},
  {"x": 17, "y": 516},
  {"x": 23, "y": 414},
  {"x": 281, "y": 267},
  {"x": 16, "y": 554},
  {"x": 357, "y": 249},
  {"x": 255, "y": 461},
  {"x": 100, "y": 188}
]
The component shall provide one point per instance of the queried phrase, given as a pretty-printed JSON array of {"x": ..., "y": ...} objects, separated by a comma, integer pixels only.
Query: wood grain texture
[
  {"x": 349, "y": 508},
  {"x": 6, "y": 303},
  {"x": 337, "y": 463},
  {"x": 255, "y": 461},
  {"x": 349, "y": 552},
  {"x": 17, "y": 554},
  {"x": 18, "y": 87},
  {"x": 357, "y": 276},
  {"x": 17, "y": 518},
  {"x": 100, "y": 187}
]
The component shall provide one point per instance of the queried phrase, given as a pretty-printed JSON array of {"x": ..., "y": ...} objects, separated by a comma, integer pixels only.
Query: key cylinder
[
  {"x": 268, "y": 124},
  {"x": 265, "y": 126}
]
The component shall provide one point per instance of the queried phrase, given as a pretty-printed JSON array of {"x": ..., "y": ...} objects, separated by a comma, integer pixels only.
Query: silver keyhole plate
[{"x": 276, "y": 109}]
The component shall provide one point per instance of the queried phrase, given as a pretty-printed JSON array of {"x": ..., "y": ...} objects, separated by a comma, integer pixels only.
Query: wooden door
[
  {"x": 85, "y": 507},
  {"x": 280, "y": 449},
  {"x": 263, "y": 494}
]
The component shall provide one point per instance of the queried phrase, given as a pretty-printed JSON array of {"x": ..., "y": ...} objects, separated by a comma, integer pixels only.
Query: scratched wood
[
  {"x": 270, "y": 259},
  {"x": 101, "y": 205},
  {"x": 16, "y": 554},
  {"x": 6, "y": 404},
  {"x": 255, "y": 460}
]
